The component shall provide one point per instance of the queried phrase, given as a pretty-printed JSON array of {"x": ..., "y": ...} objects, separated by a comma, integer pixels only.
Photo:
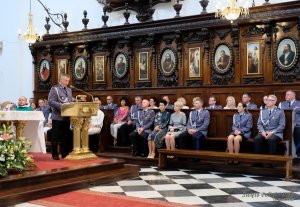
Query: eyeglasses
[{"x": 271, "y": 100}]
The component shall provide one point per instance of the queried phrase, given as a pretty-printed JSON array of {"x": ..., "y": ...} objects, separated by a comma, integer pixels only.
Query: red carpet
[
  {"x": 96, "y": 199},
  {"x": 45, "y": 162}
]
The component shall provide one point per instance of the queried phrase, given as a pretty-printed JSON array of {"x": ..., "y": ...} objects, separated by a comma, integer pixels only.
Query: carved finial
[
  {"x": 104, "y": 18},
  {"x": 204, "y": 4},
  {"x": 126, "y": 14},
  {"x": 65, "y": 22},
  {"x": 85, "y": 20},
  {"x": 47, "y": 25},
  {"x": 177, "y": 8}
]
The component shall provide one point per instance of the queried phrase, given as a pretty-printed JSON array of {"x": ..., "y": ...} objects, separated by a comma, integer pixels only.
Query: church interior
[{"x": 150, "y": 103}]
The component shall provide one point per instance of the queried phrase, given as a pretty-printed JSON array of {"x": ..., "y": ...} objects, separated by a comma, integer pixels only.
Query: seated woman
[
  {"x": 230, "y": 103},
  {"x": 161, "y": 122},
  {"x": 264, "y": 103},
  {"x": 183, "y": 101},
  {"x": 119, "y": 119},
  {"x": 241, "y": 129},
  {"x": 176, "y": 127},
  {"x": 153, "y": 102},
  {"x": 94, "y": 130}
]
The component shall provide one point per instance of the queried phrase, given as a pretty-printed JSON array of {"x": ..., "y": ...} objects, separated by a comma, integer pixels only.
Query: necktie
[
  {"x": 289, "y": 104},
  {"x": 65, "y": 91},
  {"x": 270, "y": 111},
  {"x": 197, "y": 115}
]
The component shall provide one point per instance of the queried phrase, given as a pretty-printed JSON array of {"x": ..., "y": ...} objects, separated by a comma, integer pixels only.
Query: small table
[{"x": 28, "y": 124}]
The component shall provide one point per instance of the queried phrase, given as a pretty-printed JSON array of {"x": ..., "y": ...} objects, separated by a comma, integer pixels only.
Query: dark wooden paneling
[{"x": 179, "y": 34}]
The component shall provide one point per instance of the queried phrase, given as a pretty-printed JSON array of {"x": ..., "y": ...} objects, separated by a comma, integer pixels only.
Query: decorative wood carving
[
  {"x": 197, "y": 36},
  {"x": 144, "y": 9},
  {"x": 253, "y": 80},
  {"x": 253, "y": 30},
  {"x": 144, "y": 85},
  {"x": 235, "y": 34},
  {"x": 202, "y": 30},
  {"x": 194, "y": 83}
]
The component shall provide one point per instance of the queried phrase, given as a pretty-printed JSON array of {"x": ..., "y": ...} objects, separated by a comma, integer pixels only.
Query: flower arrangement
[{"x": 13, "y": 151}]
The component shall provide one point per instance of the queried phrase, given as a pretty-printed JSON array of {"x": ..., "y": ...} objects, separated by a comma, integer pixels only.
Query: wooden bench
[
  {"x": 287, "y": 160},
  {"x": 219, "y": 128}
]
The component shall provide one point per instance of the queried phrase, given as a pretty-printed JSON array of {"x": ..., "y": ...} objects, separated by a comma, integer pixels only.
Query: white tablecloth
[{"x": 33, "y": 129}]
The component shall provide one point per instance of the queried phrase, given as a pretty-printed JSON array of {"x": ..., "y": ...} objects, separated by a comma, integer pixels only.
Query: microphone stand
[{"x": 91, "y": 95}]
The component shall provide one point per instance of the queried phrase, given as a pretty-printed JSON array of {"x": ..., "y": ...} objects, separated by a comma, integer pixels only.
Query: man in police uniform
[
  {"x": 144, "y": 123},
  {"x": 293, "y": 104},
  {"x": 246, "y": 98},
  {"x": 271, "y": 123},
  {"x": 60, "y": 94},
  {"x": 197, "y": 126}
]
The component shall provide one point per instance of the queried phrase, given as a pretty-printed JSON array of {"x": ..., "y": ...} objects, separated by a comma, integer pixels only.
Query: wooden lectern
[{"x": 80, "y": 113}]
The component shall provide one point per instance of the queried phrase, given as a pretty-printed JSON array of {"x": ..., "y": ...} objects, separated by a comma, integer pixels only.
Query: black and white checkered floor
[{"x": 207, "y": 188}]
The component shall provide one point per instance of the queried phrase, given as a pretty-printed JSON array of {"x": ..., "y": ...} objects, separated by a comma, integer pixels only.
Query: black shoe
[
  {"x": 63, "y": 155},
  {"x": 55, "y": 157},
  {"x": 143, "y": 155}
]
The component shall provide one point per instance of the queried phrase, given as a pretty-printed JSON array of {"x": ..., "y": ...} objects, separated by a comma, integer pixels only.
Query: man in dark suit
[
  {"x": 288, "y": 55},
  {"x": 223, "y": 61},
  {"x": 60, "y": 94},
  {"x": 212, "y": 103},
  {"x": 110, "y": 104}
]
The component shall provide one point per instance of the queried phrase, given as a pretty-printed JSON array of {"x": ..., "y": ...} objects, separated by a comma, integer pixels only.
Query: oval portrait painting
[
  {"x": 168, "y": 61},
  {"x": 121, "y": 64},
  {"x": 286, "y": 53},
  {"x": 222, "y": 58},
  {"x": 44, "y": 70},
  {"x": 80, "y": 68}
]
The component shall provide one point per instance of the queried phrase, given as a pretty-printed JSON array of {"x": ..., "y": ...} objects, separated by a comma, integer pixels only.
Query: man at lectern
[{"x": 60, "y": 94}]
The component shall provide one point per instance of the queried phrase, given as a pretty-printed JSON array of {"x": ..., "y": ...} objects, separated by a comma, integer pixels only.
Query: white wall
[{"x": 16, "y": 70}]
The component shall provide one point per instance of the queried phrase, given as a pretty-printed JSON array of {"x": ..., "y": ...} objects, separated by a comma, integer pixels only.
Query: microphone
[{"x": 71, "y": 86}]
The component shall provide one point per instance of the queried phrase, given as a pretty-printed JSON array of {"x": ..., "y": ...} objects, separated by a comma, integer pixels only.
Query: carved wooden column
[
  {"x": 19, "y": 128},
  {"x": 85, "y": 134},
  {"x": 77, "y": 123}
]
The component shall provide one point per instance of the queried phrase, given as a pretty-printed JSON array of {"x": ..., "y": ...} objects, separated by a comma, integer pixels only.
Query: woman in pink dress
[{"x": 120, "y": 118}]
